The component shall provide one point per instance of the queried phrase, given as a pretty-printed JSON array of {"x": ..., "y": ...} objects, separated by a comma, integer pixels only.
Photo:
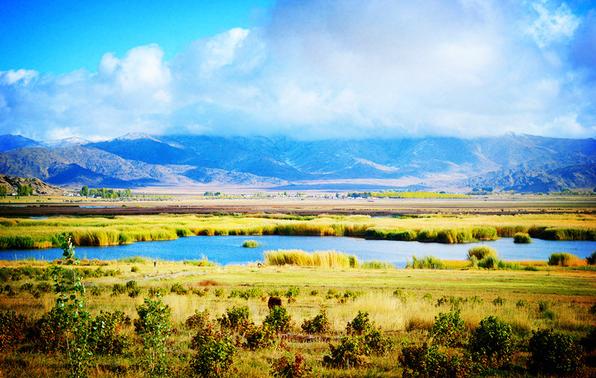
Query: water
[{"x": 228, "y": 249}]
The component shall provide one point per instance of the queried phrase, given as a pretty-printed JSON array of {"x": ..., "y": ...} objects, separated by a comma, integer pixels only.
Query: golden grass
[{"x": 323, "y": 259}]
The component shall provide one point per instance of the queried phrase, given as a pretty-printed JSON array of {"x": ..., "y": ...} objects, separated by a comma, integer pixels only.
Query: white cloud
[{"x": 327, "y": 69}]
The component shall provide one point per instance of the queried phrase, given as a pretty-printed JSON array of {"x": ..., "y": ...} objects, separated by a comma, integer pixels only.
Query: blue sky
[{"x": 300, "y": 68}]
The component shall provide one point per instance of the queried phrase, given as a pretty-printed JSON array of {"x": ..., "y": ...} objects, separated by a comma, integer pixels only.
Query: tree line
[{"x": 104, "y": 192}]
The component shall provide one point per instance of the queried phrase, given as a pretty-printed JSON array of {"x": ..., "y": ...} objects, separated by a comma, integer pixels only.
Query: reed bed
[{"x": 297, "y": 257}]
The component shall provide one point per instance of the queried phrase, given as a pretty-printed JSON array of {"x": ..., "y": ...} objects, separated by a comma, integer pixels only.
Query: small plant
[
  {"x": 214, "y": 352},
  {"x": 492, "y": 342},
  {"x": 178, "y": 289},
  {"x": 250, "y": 244},
  {"x": 428, "y": 361},
  {"x": 554, "y": 353},
  {"x": 118, "y": 289},
  {"x": 498, "y": 301},
  {"x": 449, "y": 329},
  {"x": 236, "y": 319},
  {"x": 278, "y": 319},
  {"x": 288, "y": 367},
  {"x": 565, "y": 259},
  {"x": 427, "y": 262},
  {"x": 372, "y": 338},
  {"x": 153, "y": 326},
  {"x": 105, "y": 335},
  {"x": 480, "y": 252},
  {"x": 591, "y": 260},
  {"x": 259, "y": 337},
  {"x": 134, "y": 269},
  {"x": 12, "y": 329},
  {"x": 349, "y": 353},
  {"x": 292, "y": 293},
  {"x": 219, "y": 292},
  {"x": 317, "y": 325},
  {"x": 522, "y": 238},
  {"x": 197, "y": 320}
]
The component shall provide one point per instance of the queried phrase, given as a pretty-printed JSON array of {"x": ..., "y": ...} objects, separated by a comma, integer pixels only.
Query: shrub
[
  {"x": 292, "y": 293},
  {"x": 427, "y": 262},
  {"x": 197, "y": 320},
  {"x": 278, "y": 319},
  {"x": 554, "y": 353},
  {"x": 214, "y": 352},
  {"x": 253, "y": 292},
  {"x": 327, "y": 259},
  {"x": 288, "y": 367},
  {"x": 349, "y": 353},
  {"x": 449, "y": 329},
  {"x": 480, "y": 252},
  {"x": 372, "y": 338},
  {"x": 250, "y": 244},
  {"x": 492, "y": 342},
  {"x": 429, "y": 361},
  {"x": 317, "y": 325},
  {"x": 377, "y": 265},
  {"x": 359, "y": 325},
  {"x": 153, "y": 326},
  {"x": 235, "y": 319},
  {"x": 178, "y": 289},
  {"x": 134, "y": 269},
  {"x": 521, "y": 238},
  {"x": 565, "y": 259},
  {"x": 105, "y": 335},
  {"x": 118, "y": 289},
  {"x": 591, "y": 260},
  {"x": 12, "y": 329},
  {"x": 489, "y": 262},
  {"x": 259, "y": 337}
]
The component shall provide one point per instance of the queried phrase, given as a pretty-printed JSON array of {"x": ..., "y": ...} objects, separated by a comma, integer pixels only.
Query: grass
[
  {"x": 296, "y": 257},
  {"x": 403, "y": 302},
  {"x": 427, "y": 262},
  {"x": 250, "y": 244},
  {"x": 566, "y": 259},
  {"x": 521, "y": 238},
  {"x": 100, "y": 231}
]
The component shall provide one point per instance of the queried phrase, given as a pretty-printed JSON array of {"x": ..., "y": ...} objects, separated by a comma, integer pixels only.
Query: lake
[{"x": 228, "y": 249}]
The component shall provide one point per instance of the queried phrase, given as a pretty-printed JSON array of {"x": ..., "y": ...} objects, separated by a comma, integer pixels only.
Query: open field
[
  {"x": 114, "y": 230},
  {"x": 402, "y": 302}
]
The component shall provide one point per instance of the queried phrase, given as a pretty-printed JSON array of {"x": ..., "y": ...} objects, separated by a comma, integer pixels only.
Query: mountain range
[{"x": 522, "y": 163}]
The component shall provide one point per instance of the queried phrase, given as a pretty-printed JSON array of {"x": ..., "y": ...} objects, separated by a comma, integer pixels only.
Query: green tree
[
  {"x": 24, "y": 190},
  {"x": 3, "y": 191},
  {"x": 85, "y": 191}
]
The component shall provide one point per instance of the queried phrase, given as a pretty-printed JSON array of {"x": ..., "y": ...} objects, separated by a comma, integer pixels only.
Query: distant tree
[
  {"x": 24, "y": 190},
  {"x": 85, "y": 191},
  {"x": 3, "y": 191}
]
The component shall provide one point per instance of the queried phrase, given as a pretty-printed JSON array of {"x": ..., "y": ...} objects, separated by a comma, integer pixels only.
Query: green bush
[
  {"x": 214, "y": 352},
  {"x": 429, "y": 361},
  {"x": 521, "y": 238},
  {"x": 591, "y": 260},
  {"x": 153, "y": 326},
  {"x": 564, "y": 259},
  {"x": 449, "y": 329},
  {"x": 259, "y": 337},
  {"x": 489, "y": 262},
  {"x": 250, "y": 244},
  {"x": 278, "y": 320},
  {"x": 105, "y": 333},
  {"x": 177, "y": 288},
  {"x": 427, "y": 262},
  {"x": 236, "y": 319},
  {"x": 359, "y": 325},
  {"x": 288, "y": 367},
  {"x": 118, "y": 289},
  {"x": 554, "y": 353},
  {"x": 317, "y": 325},
  {"x": 491, "y": 343},
  {"x": 198, "y": 320},
  {"x": 349, "y": 353},
  {"x": 372, "y": 339},
  {"x": 480, "y": 252},
  {"x": 13, "y": 329}
]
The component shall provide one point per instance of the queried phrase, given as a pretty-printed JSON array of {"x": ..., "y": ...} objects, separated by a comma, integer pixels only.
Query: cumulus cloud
[{"x": 336, "y": 69}]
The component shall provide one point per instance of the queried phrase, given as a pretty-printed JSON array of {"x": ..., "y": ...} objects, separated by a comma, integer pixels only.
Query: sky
[{"x": 303, "y": 69}]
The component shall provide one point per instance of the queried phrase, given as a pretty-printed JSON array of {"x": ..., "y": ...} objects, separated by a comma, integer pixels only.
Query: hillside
[
  {"x": 522, "y": 163},
  {"x": 11, "y": 183}
]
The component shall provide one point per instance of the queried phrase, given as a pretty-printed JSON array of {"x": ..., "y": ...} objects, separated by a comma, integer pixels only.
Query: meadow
[
  {"x": 403, "y": 308},
  {"x": 115, "y": 230}
]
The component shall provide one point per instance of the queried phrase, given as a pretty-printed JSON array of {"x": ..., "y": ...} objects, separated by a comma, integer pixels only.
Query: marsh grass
[
  {"x": 565, "y": 259},
  {"x": 325, "y": 259},
  {"x": 250, "y": 244}
]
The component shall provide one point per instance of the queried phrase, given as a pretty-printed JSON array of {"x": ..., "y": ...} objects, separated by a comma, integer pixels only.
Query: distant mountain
[
  {"x": 11, "y": 142},
  {"x": 510, "y": 162}
]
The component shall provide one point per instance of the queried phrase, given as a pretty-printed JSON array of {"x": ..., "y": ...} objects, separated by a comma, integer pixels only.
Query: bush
[
  {"x": 134, "y": 269},
  {"x": 481, "y": 252},
  {"x": 449, "y": 329},
  {"x": 591, "y": 260},
  {"x": 489, "y": 262},
  {"x": 492, "y": 342},
  {"x": 235, "y": 319},
  {"x": 288, "y": 367},
  {"x": 13, "y": 329},
  {"x": 197, "y": 320},
  {"x": 565, "y": 259},
  {"x": 349, "y": 353},
  {"x": 429, "y": 361},
  {"x": 359, "y": 325},
  {"x": 178, "y": 289},
  {"x": 554, "y": 353},
  {"x": 105, "y": 335},
  {"x": 250, "y": 244},
  {"x": 521, "y": 238},
  {"x": 278, "y": 320},
  {"x": 214, "y": 352},
  {"x": 259, "y": 337},
  {"x": 118, "y": 289},
  {"x": 317, "y": 325},
  {"x": 153, "y": 326},
  {"x": 372, "y": 338}
]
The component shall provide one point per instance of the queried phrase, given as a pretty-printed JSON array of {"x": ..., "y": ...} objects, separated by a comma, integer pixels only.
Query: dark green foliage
[
  {"x": 288, "y": 367},
  {"x": 253, "y": 292},
  {"x": 278, "y": 320},
  {"x": 259, "y": 337},
  {"x": 350, "y": 352},
  {"x": 16, "y": 242},
  {"x": 591, "y": 260},
  {"x": 429, "y": 361},
  {"x": 198, "y": 320},
  {"x": 372, "y": 338},
  {"x": 554, "y": 353},
  {"x": 13, "y": 329},
  {"x": 105, "y": 333},
  {"x": 491, "y": 343},
  {"x": 24, "y": 190},
  {"x": 489, "y": 262},
  {"x": 317, "y": 325},
  {"x": 178, "y": 289},
  {"x": 359, "y": 325},
  {"x": 427, "y": 262},
  {"x": 521, "y": 238},
  {"x": 153, "y": 327},
  {"x": 481, "y": 252},
  {"x": 449, "y": 329},
  {"x": 236, "y": 319},
  {"x": 118, "y": 289}
]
